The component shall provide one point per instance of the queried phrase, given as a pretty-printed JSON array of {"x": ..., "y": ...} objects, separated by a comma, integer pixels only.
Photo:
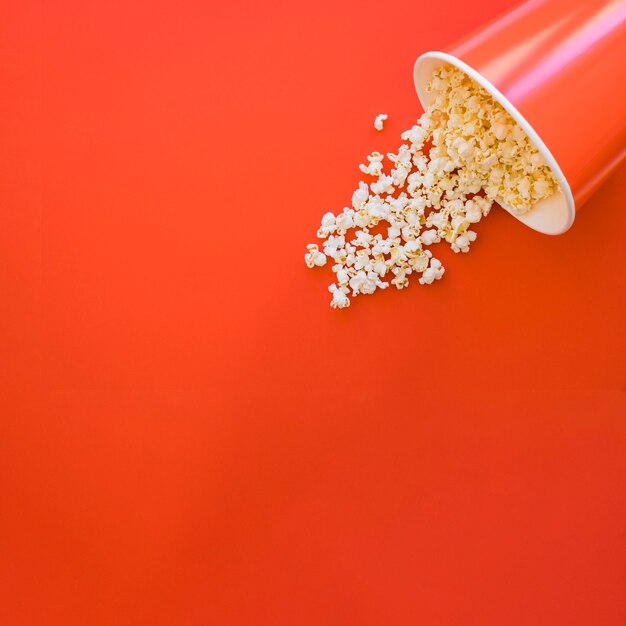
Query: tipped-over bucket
[{"x": 558, "y": 68}]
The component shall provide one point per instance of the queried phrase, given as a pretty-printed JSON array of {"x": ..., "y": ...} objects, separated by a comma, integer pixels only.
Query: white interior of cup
[{"x": 553, "y": 215}]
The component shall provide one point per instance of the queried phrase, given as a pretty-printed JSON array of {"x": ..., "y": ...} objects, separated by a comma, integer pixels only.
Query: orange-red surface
[{"x": 189, "y": 435}]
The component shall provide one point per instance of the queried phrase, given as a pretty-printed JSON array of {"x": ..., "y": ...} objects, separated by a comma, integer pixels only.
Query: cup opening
[{"x": 551, "y": 216}]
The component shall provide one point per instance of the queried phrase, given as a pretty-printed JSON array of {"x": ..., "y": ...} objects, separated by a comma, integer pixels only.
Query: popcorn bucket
[{"x": 558, "y": 67}]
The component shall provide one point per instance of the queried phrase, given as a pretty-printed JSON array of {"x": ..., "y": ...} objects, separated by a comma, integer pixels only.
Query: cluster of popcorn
[
  {"x": 481, "y": 138},
  {"x": 464, "y": 153}
]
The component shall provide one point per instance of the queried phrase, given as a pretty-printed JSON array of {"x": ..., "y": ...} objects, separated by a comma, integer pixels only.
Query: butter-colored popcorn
[{"x": 482, "y": 138}]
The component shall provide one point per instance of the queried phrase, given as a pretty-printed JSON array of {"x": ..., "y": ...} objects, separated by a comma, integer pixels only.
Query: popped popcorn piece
[
  {"x": 328, "y": 226},
  {"x": 314, "y": 257},
  {"x": 345, "y": 221},
  {"x": 363, "y": 282},
  {"x": 461, "y": 244},
  {"x": 379, "y": 121},
  {"x": 343, "y": 277},
  {"x": 400, "y": 281},
  {"x": 360, "y": 196},
  {"x": 375, "y": 166},
  {"x": 429, "y": 237},
  {"x": 384, "y": 184},
  {"x": 473, "y": 212},
  {"x": 362, "y": 219},
  {"x": 420, "y": 262},
  {"x": 412, "y": 248},
  {"x": 434, "y": 272},
  {"x": 416, "y": 136},
  {"x": 334, "y": 246},
  {"x": 483, "y": 140},
  {"x": 340, "y": 300},
  {"x": 363, "y": 239}
]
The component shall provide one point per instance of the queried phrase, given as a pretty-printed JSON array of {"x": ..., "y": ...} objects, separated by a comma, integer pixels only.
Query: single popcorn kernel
[
  {"x": 464, "y": 153},
  {"x": 314, "y": 257},
  {"x": 379, "y": 121}
]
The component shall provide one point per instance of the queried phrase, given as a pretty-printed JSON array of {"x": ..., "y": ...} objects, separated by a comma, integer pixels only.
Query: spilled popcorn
[
  {"x": 379, "y": 121},
  {"x": 464, "y": 153}
]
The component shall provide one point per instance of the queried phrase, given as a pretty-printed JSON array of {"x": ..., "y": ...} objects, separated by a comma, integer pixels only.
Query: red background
[{"x": 189, "y": 435}]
